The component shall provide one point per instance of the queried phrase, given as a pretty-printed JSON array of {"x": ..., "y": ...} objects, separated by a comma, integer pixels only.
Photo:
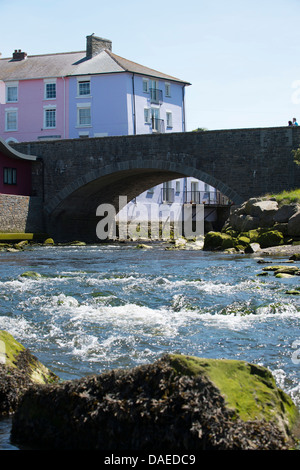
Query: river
[{"x": 95, "y": 308}]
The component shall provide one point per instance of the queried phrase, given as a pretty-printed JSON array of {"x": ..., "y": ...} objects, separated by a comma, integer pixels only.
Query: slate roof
[{"x": 74, "y": 64}]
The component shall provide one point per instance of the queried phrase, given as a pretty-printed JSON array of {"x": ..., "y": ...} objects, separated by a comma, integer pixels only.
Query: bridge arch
[
  {"x": 157, "y": 170},
  {"x": 72, "y": 212}
]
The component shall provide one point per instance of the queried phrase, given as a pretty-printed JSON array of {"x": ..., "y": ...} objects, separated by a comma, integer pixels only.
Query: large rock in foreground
[
  {"x": 177, "y": 403},
  {"x": 19, "y": 370}
]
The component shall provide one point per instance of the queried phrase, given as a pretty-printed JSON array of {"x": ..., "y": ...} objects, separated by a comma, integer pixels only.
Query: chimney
[
  {"x": 95, "y": 45},
  {"x": 19, "y": 55}
]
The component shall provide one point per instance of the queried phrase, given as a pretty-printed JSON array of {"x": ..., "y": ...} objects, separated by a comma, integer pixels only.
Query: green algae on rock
[
  {"x": 217, "y": 241},
  {"x": 31, "y": 274},
  {"x": 270, "y": 238},
  {"x": 248, "y": 389},
  {"x": 19, "y": 370},
  {"x": 177, "y": 403}
]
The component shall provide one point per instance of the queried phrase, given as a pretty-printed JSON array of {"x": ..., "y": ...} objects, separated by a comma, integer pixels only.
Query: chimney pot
[{"x": 19, "y": 55}]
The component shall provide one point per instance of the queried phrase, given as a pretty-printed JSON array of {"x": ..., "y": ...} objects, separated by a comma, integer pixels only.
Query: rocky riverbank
[
  {"x": 259, "y": 225},
  {"x": 177, "y": 403}
]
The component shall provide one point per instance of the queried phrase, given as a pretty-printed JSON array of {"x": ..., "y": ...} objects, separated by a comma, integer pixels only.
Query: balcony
[
  {"x": 212, "y": 198},
  {"x": 205, "y": 197},
  {"x": 158, "y": 125},
  {"x": 156, "y": 96}
]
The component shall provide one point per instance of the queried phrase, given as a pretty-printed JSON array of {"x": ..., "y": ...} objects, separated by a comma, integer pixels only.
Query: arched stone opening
[{"x": 71, "y": 214}]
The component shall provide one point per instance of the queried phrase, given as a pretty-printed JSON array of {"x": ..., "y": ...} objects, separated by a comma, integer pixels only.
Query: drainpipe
[
  {"x": 64, "y": 106},
  {"x": 133, "y": 106},
  {"x": 183, "y": 109}
]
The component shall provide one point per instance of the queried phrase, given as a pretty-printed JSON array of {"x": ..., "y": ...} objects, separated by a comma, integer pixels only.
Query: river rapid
[{"x": 94, "y": 308}]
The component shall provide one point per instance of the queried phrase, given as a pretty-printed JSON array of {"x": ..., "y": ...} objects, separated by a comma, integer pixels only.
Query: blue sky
[{"x": 241, "y": 57}]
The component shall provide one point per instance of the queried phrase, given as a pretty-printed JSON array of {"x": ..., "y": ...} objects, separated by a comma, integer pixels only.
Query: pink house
[
  {"x": 89, "y": 93},
  {"x": 31, "y": 92}
]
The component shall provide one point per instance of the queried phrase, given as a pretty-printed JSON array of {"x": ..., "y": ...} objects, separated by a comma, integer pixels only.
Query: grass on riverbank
[{"x": 287, "y": 197}]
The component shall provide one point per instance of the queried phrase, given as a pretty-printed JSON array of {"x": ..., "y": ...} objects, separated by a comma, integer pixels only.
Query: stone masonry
[
  {"x": 19, "y": 214},
  {"x": 75, "y": 176}
]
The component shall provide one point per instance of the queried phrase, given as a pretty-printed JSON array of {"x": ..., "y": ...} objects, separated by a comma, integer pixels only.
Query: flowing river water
[{"x": 95, "y": 308}]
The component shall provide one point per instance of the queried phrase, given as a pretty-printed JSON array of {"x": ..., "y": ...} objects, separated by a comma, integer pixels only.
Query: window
[
  {"x": 84, "y": 87},
  {"x": 147, "y": 115},
  {"x": 12, "y": 93},
  {"x": 155, "y": 120},
  {"x": 167, "y": 89},
  {"x": 11, "y": 119},
  {"x": 168, "y": 192},
  {"x": 50, "y": 91},
  {"x": 178, "y": 186},
  {"x": 84, "y": 116},
  {"x": 50, "y": 118},
  {"x": 9, "y": 175},
  {"x": 169, "y": 119},
  {"x": 145, "y": 85}
]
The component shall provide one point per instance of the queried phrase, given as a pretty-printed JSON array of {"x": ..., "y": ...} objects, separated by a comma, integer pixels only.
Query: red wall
[{"x": 23, "y": 186}]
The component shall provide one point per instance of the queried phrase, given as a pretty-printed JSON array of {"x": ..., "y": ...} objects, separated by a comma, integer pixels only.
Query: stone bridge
[{"x": 72, "y": 177}]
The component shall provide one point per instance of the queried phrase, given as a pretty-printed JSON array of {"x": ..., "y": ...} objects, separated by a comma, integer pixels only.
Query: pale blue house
[
  {"x": 95, "y": 93},
  {"x": 110, "y": 95}
]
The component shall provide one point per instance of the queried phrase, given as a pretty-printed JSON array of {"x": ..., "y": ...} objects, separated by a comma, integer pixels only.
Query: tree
[{"x": 296, "y": 154}]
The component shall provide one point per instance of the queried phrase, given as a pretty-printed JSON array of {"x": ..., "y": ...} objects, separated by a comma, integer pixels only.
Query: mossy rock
[
  {"x": 217, "y": 241},
  {"x": 240, "y": 248},
  {"x": 274, "y": 267},
  {"x": 31, "y": 274},
  {"x": 230, "y": 251},
  {"x": 293, "y": 292},
  {"x": 281, "y": 269},
  {"x": 283, "y": 275},
  {"x": 295, "y": 257},
  {"x": 49, "y": 241},
  {"x": 178, "y": 402},
  {"x": 270, "y": 238},
  {"x": 243, "y": 240},
  {"x": 253, "y": 235},
  {"x": 250, "y": 390},
  {"x": 15, "y": 356},
  {"x": 231, "y": 232},
  {"x": 292, "y": 270}
]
